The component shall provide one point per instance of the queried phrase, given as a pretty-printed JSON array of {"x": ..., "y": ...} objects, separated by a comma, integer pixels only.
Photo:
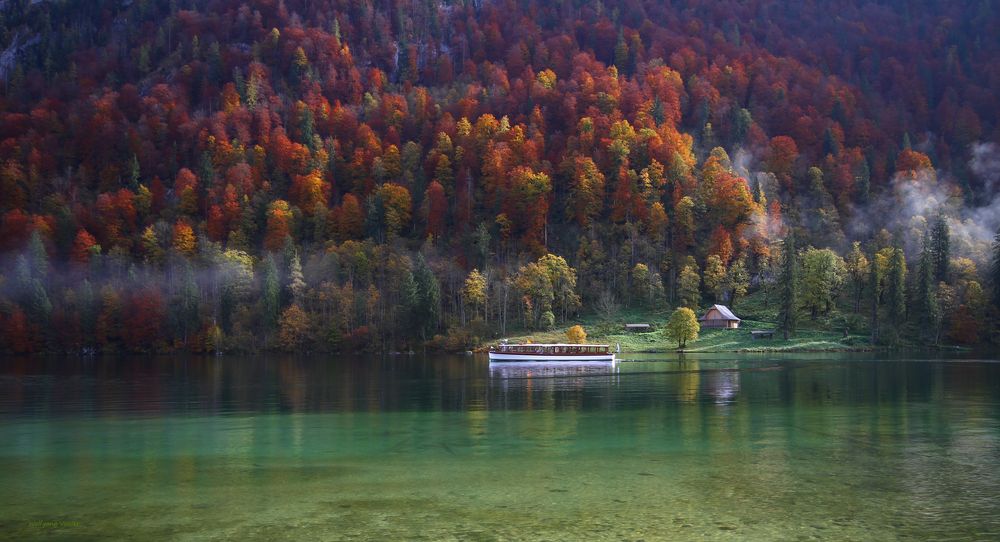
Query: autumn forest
[{"x": 344, "y": 175}]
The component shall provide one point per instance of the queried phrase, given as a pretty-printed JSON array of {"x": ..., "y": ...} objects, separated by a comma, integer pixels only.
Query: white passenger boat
[{"x": 574, "y": 353}]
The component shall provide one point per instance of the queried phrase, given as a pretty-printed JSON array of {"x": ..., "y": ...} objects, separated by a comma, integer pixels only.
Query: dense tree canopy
[{"x": 348, "y": 174}]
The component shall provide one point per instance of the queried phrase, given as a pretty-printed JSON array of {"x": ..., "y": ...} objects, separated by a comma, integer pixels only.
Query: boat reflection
[
  {"x": 548, "y": 369},
  {"x": 563, "y": 385}
]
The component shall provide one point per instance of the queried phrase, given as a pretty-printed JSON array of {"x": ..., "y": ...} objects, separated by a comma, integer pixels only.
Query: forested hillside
[{"x": 347, "y": 174}]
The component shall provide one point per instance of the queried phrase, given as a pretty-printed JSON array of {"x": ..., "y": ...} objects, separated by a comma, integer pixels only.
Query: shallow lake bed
[{"x": 768, "y": 447}]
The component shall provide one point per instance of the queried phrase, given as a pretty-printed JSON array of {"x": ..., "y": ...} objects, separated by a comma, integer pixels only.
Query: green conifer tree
[
  {"x": 896, "y": 294},
  {"x": 940, "y": 249},
  {"x": 788, "y": 304},
  {"x": 270, "y": 294},
  {"x": 429, "y": 309}
]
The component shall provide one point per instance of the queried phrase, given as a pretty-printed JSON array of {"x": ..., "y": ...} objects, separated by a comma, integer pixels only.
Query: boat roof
[{"x": 551, "y": 344}]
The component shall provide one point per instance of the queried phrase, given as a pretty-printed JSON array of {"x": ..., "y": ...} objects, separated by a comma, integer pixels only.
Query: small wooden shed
[
  {"x": 719, "y": 316},
  {"x": 638, "y": 328}
]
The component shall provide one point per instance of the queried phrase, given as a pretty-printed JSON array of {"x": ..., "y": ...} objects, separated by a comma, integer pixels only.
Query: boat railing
[{"x": 550, "y": 349}]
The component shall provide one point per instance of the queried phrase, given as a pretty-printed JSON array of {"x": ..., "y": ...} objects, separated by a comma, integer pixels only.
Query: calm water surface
[{"x": 715, "y": 447}]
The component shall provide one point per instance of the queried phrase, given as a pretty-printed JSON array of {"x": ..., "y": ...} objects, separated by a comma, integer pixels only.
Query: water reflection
[
  {"x": 290, "y": 384},
  {"x": 523, "y": 370},
  {"x": 531, "y": 385}
]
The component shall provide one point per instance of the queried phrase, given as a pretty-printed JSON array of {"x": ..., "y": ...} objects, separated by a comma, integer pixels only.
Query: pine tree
[
  {"x": 134, "y": 172},
  {"x": 862, "y": 182},
  {"x": 825, "y": 219},
  {"x": 928, "y": 314},
  {"x": 429, "y": 309},
  {"x": 270, "y": 294},
  {"x": 410, "y": 302},
  {"x": 857, "y": 268},
  {"x": 788, "y": 305},
  {"x": 896, "y": 291},
  {"x": 296, "y": 281},
  {"x": 995, "y": 270},
  {"x": 940, "y": 248},
  {"x": 873, "y": 290},
  {"x": 38, "y": 256},
  {"x": 185, "y": 306},
  {"x": 621, "y": 53},
  {"x": 30, "y": 288}
]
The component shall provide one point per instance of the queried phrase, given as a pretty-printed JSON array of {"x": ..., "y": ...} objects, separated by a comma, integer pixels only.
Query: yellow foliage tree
[
  {"x": 576, "y": 334},
  {"x": 293, "y": 327},
  {"x": 474, "y": 291},
  {"x": 398, "y": 205},
  {"x": 682, "y": 327}
]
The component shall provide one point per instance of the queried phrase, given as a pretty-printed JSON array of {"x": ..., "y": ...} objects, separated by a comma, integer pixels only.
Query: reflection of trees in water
[
  {"x": 464, "y": 383},
  {"x": 689, "y": 380},
  {"x": 695, "y": 379}
]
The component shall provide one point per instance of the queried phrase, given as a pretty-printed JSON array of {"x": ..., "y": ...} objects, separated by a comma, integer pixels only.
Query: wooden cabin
[
  {"x": 719, "y": 316},
  {"x": 638, "y": 328}
]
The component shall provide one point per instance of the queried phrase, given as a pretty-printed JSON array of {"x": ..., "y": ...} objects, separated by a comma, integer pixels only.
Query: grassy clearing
[{"x": 826, "y": 333}]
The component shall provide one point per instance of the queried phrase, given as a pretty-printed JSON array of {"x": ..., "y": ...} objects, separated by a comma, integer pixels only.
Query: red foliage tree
[
  {"x": 18, "y": 333},
  {"x": 186, "y": 190},
  {"x": 145, "y": 313},
  {"x": 14, "y": 230},
  {"x": 782, "y": 154},
  {"x": 83, "y": 246},
  {"x": 721, "y": 244},
  {"x": 435, "y": 208},
  {"x": 350, "y": 218}
]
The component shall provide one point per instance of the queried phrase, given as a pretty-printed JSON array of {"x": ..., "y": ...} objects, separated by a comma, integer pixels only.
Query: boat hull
[{"x": 555, "y": 358}]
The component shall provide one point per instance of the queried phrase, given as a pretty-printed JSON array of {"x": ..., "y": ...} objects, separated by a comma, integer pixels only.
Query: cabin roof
[{"x": 723, "y": 310}]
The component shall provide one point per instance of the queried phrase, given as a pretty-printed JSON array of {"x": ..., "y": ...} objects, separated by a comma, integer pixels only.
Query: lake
[{"x": 718, "y": 447}]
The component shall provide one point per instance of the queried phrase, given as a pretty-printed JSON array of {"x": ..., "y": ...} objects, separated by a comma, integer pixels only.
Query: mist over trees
[{"x": 347, "y": 175}]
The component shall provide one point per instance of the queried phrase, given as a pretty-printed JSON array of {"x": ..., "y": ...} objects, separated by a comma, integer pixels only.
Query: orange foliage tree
[
  {"x": 184, "y": 240},
  {"x": 279, "y": 224}
]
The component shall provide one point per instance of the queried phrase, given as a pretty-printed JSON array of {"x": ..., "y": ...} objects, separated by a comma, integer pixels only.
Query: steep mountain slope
[{"x": 159, "y": 152}]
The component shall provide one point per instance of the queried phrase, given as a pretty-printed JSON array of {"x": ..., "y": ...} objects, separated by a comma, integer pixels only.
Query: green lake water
[{"x": 710, "y": 447}]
